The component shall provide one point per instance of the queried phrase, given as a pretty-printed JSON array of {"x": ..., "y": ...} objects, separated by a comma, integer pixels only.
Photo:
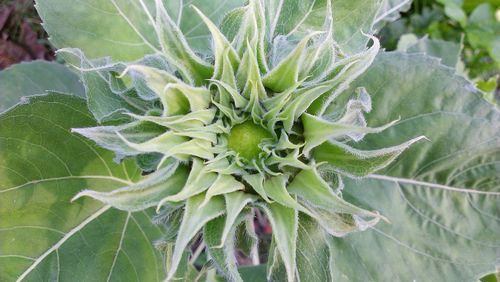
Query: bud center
[{"x": 245, "y": 138}]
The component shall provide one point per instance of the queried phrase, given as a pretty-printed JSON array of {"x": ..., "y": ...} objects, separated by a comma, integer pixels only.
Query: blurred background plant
[
  {"x": 22, "y": 38},
  {"x": 469, "y": 29}
]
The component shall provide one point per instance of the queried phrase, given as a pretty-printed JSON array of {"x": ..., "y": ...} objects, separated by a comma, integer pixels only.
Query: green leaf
[
  {"x": 198, "y": 181},
  {"x": 123, "y": 30},
  {"x": 45, "y": 236},
  {"x": 490, "y": 278},
  {"x": 111, "y": 137},
  {"x": 318, "y": 130},
  {"x": 223, "y": 255},
  {"x": 441, "y": 196},
  {"x": 222, "y": 49},
  {"x": 489, "y": 88},
  {"x": 453, "y": 9},
  {"x": 235, "y": 203},
  {"x": 101, "y": 27},
  {"x": 37, "y": 77},
  {"x": 275, "y": 187},
  {"x": 255, "y": 273},
  {"x": 284, "y": 222},
  {"x": 391, "y": 10},
  {"x": 224, "y": 184},
  {"x": 286, "y": 74},
  {"x": 286, "y": 17},
  {"x": 175, "y": 47},
  {"x": 148, "y": 193},
  {"x": 195, "y": 217},
  {"x": 313, "y": 256},
  {"x": 351, "y": 19},
  {"x": 358, "y": 163},
  {"x": 448, "y": 51},
  {"x": 196, "y": 33},
  {"x": 333, "y": 213},
  {"x": 313, "y": 263},
  {"x": 483, "y": 29},
  {"x": 104, "y": 97}
]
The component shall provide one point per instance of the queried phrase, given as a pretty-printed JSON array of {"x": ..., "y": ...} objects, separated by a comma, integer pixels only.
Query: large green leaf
[
  {"x": 35, "y": 78},
  {"x": 45, "y": 237},
  {"x": 350, "y": 19},
  {"x": 441, "y": 196},
  {"x": 122, "y": 29},
  {"x": 448, "y": 51}
]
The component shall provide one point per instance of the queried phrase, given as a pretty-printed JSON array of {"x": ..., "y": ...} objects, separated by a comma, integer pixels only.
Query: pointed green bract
[
  {"x": 317, "y": 130},
  {"x": 286, "y": 74},
  {"x": 148, "y": 193},
  {"x": 235, "y": 203},
  {"x": 355, "y": 162},
  {"x": 193, "y": 220},
  {"x": 222, "y": 255},
  {"x": 285, "y": 225}
]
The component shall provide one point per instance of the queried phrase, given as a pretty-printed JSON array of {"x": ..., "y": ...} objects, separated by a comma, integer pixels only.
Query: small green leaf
[
  {"x": 284, "y": 222},
  {"x": 286, "y": 74},
  {"x": 276, "y": 188},
  {"x": 235, "y": 203},
  {"x": 174, "y": 46},
  {"x": 313, "y": 255},
  {"x": 223, "y": 255},
  {"x": 358, "y": 163},
  {"x": 196, "y": 33},
  {"x": 199, "y": 180},
  {"x": 224, "y": 184},
  {"x": 100, "y": 78},
  {"x": 222, "y": 46},
  {"x": 156, "y": 79},
  {"x": 195, "y": 217},
  {"x": 453, "y": 9},
  {"x": 112, "y": 137},
  {"x": 483, "y": 29},
  {"x": 318, "y": 130},
  {"x": 256, "y": 181},
  {"x": 253, "y": 273},
  {"x": 145, "y": 194},
  {"x": 334, "y": 214}
]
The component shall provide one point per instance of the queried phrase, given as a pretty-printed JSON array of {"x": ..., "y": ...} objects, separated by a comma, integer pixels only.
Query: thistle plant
[{"x": 262, "y": 122}]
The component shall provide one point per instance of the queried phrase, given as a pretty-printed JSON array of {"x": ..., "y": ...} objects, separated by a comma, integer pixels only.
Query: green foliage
[
  {"x": 44, "y": 235},
  {"x": 471, "y": 24},
  {"x": 368, "y": 165},
  {"x": 435, "y": 195},
  {"x": 35, "y": 78}
]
